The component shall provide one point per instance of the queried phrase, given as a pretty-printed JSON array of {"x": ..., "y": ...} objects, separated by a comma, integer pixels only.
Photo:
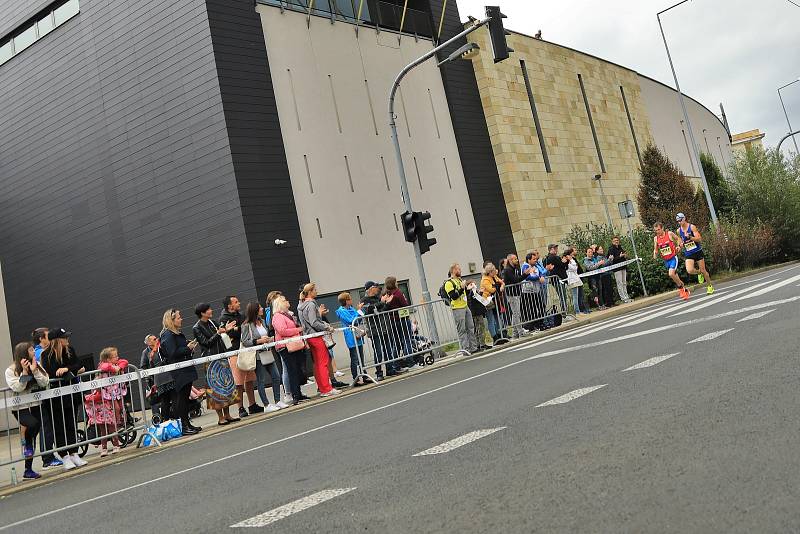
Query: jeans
[
  {"x": 466, "y": 329},
  {"x": 356, "y": 356},
  {"x": 261, "y": 381},
  {"x": 291, "y": 370},
  {"x": 384, "y": 351},
  {"x": 491, "y": 318},
  {"x": 577, "y": 301},
  {"x": 516, "y": 316}
]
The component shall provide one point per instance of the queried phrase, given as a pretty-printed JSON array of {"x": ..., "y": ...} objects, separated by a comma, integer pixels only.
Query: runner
[
  {"x": 664, "y": 245},
  {"x": 693, "y": 251}
]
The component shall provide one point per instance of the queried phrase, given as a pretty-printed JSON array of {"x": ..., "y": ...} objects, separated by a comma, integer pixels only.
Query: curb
[{"x": 597, "y": 316}]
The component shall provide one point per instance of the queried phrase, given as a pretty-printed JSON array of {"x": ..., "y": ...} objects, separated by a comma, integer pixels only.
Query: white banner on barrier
[{"x": 609, "y": 268}]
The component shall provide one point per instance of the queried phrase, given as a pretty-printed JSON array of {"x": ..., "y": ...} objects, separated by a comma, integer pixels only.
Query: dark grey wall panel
[
  {"x": 474, "y": 145},
  {"x": 259, "y": 158},
  {"x": 120, "y": 196}
]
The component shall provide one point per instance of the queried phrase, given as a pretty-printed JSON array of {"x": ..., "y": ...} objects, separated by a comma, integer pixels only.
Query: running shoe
[
  {"x": 710, "y": 290},
  {"x": 684, "y": 293},
  {"x": 701, "y": 279},
  {"x": 30, "y": 474}
]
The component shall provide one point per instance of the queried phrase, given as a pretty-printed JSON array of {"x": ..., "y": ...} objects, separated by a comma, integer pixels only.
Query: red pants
[{"x": 321, "y": 357}]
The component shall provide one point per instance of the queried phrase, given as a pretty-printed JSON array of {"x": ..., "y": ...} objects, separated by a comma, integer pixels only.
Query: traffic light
[
  {"x": 498, "y": 33},
  {"x": 424, "y": 230},
  {"x": 409, "y": 226}
]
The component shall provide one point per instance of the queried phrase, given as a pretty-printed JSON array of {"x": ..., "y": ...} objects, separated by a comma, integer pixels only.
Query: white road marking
[
  {"x": 286, "y": 510},
  {"x": 651, "y": 362},
  {"x": 391, "y": 405},
  {"x": 710, "y": 336},
  {"x": 459, "y": 441},
  {"x": 571, "y": 396},
  {"x": 710, "y": 301},
  {"x": 752, "y": 316},
  {"x": 669, "y": 309},
  {"x": 769, "y": 288}
]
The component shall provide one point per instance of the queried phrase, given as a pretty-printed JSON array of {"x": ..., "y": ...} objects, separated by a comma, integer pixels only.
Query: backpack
[{"x": 443, "y": 294}]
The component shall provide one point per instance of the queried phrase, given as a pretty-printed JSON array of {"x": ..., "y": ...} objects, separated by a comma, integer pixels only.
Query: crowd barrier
[
  {"x": 412, "y": 335},
  {"x": 524, "y": 306}
]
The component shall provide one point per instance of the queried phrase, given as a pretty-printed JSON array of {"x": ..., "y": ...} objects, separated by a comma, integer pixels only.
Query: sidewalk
[{"x": 209, "y": 418}]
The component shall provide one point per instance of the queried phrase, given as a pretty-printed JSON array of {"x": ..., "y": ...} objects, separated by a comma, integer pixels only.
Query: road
[{"x": 682, "y": 417}]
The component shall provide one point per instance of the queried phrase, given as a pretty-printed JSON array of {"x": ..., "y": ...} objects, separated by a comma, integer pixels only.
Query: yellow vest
[{"x": 455, "y": 284}]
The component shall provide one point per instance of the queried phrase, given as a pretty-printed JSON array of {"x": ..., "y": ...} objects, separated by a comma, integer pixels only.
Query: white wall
[
  {"x": 6, "y": 356},
  {"x": 311, "y": 65},
  {"x": 668, "y": 129}
]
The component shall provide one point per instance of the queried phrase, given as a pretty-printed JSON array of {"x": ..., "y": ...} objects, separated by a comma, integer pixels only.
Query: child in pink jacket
[{"x": 105, "y": 406}]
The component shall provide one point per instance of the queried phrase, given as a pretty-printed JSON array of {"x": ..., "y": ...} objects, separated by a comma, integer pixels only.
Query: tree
[
  {"x": 665, "y": 191},
  {"x": 767, "y": 188},
  {"x": 717, "y": 184}
]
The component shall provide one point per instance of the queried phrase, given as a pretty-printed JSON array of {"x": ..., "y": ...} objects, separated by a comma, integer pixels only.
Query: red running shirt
[{"x": 666, "y": 247}]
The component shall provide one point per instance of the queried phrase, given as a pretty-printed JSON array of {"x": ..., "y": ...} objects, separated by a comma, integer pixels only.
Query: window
[
  {"x": 331, "y": 299},
  {"x": 25, "y": 38},
  {"x": 66, "y": 11},
  {"x": 35, "y": 29}
]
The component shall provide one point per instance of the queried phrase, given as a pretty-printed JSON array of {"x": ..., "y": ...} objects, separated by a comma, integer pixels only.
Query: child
[{"x": 105, "y": 407}]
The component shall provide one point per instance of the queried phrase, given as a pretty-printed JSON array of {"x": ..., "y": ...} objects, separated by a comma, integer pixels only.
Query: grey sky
[{"x": 737, "y": 52}]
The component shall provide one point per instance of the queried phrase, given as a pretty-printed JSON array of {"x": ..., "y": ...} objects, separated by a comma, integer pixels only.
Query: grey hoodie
[{"x": 310, "y": 319}]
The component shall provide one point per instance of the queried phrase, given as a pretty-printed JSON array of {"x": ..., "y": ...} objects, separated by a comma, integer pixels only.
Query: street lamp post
[
  {"x": 599, "y": 179},
  {"x": 686, "y": 118},
  {"x": 788, "y": 122}
]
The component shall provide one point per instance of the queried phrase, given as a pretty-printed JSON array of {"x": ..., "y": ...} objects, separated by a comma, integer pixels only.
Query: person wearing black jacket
[
  {"x": 513, "y": 278},
  {"x": 208, "y": 336},
  {"x": 618, "y": 255},
  {"x": 175, "y": 349},
  {"x": 560, "y": 270},
  {"x": 245, "y": 380},
  {"x": 61, "y": 364},
  {"x": 375, "y": 303}
]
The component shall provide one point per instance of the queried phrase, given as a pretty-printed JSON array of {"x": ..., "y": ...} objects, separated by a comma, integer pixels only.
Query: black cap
[
  {"x": 58, "y": 333},
  {"x": 370, "y": 284}
]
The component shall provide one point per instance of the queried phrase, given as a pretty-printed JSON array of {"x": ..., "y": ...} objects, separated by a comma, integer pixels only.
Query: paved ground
[{"x": 555, "y": 435}]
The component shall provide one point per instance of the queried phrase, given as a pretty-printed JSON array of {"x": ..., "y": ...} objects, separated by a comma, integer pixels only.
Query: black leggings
[
  {"x": 31, "y": 419},
  {"x": 181, "y": 406}
]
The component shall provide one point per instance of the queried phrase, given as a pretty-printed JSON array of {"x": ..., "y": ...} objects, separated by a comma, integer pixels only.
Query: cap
[
  {"x": 679, "y": 217},
  {"x": 552, "y": 245},
  {"x": 58, "y": 333},
  {"x": 370, "y": 284}
]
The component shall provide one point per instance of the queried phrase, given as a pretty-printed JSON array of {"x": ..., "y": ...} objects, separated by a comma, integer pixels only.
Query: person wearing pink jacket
[{"x": 283, "y": 322}]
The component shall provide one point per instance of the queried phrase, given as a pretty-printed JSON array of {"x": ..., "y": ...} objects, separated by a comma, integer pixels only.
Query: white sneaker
[
  {"x": 272, "y": 408},
  {"x": 311, "y": 380},
  {"x": 77, "y": 460},
  {"x": 414, "y": 367},
  {"x": 283, "y": 404},
  {"x": 68, "y": 465},
  {"x": 338, "y": 373},
  {"x": 331, "y": 393}
]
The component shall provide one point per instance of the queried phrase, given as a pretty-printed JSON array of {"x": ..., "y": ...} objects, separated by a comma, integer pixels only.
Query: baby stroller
[
  {"x": 419, "y": 344},
  {"x": 195, "y": 403}
]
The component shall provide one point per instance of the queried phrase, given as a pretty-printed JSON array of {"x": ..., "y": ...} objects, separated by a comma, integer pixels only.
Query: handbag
[
  {"x": 296, "y": 345},
  {"x": 266, "y": 357},
  {"x": 329, "y": 342},
  {"x": 246, "y": 360},
  {"x": 226, "y": 340},
  {"x": 359, "y": 332}
]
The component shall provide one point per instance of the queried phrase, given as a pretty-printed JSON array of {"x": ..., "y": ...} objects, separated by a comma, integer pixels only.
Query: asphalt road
[{"x": 702, "y": 437}]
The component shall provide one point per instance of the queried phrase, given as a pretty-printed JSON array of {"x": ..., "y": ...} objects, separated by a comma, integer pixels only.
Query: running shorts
[
  {"x": 671, "y": 263},
  {"x": 697, "y": 256}
]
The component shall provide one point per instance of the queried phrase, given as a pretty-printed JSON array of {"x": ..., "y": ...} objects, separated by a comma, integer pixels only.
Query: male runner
[
  {"x": 693, "y": 251},
  {"x": 664, "y": 245}
]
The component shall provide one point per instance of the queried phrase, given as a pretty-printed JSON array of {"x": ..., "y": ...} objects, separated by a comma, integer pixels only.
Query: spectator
[
  {"x": 25, "y": 376},
  {"x": 333, "y": 371},
  {"x": 574, "y": 282},
  {"x": 175, "y": 349},
  {"x": 400, "y": 326},
  {"x": 106, "y": 410},
  {"x": 245, "y": 380},
  {"x": 351, "y": 318},
  {"x": 40, "y": 341},
  {"x": 559, "y": 270},
  {"x": 254, "y": 332},
  {"x": 61, "y": 363},
  {"x": 493, "y": 286},
  {"x": 285, "y": 379},
  {"x": 605, "y": 278},
  {"x": 209, "y": 338},
  {"x": 285, "y": 327},
  {"x": 591, "y": 263},
  {"x": 164, "y": 386},
  {"x": 478, "y": 311},
  {"x": 616, "y": 254},
  {"x": 312, "y": 323},
  {"x": 536, "y": 286},
  {"x": 456, "y": 290},
  {"x": 373, "y": 306},
  {"x": 513, "y": 278}
]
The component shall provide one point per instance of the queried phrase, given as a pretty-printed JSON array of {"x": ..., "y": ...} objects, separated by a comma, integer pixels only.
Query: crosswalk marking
[
  {"x": 286, "y": 510},
  {"x": 571, "y": 396},
  {"x": 665, "y": 311},
  {"x": 459, "y": 441},
  {"x": 706, "y": 303},
  {"x": 711, "y": 335},
  {"x": 757, "y": 315},
  {"x": 651, "y": 362},
  {"x": 770, "y": 288}
]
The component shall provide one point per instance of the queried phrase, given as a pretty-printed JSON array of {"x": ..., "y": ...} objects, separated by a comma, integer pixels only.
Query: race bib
[
  {"x": 666, "y": 250},
  {"x": 689, "y": 246}
]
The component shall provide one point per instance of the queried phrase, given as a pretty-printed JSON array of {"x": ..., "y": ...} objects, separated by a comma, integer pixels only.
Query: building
[
  {"x": 742, "y": 142},
  {"x": 162, "y": 154}
]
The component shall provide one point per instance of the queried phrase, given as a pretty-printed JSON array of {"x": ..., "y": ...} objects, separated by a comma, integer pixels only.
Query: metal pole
[
  {"x": 426, "y": 295},
  {"x": 787, "y": 136},
  {"x": 605, "y": 203},
  {"x": 788, "y": 122},
  {"x": 686, "y": 118},
  {"x": 636, "y": 254}
]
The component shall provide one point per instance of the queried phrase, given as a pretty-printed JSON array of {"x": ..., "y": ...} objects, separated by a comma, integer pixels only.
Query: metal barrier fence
[
  {"x": 526, "y": 306},
  {"x": 405, "y": 337},
  {"x": 92, "y": 408}
]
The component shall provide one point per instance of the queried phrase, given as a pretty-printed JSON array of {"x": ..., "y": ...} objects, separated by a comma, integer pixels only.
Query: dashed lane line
[
  {"x": 459, "y": 441},
  {"x": 752, "y": 316},
  {"x": 710, "y": 336},
  {"x": 770, "y": 288},
  {"x": 650, "y": 362},
  {"x": 571, "y": 396},
  {"x": 282, "y": 512}
]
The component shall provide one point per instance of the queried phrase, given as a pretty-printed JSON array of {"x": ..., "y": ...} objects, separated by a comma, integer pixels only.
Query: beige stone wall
[{"x": 544, "y": 206}]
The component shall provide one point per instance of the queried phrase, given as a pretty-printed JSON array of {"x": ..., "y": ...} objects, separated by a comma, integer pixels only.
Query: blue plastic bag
[{"x": 165, "y": 431}]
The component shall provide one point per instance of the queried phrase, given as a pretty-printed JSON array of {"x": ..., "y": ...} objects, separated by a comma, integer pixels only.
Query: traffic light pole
[{"x": 426, "y": 294}]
